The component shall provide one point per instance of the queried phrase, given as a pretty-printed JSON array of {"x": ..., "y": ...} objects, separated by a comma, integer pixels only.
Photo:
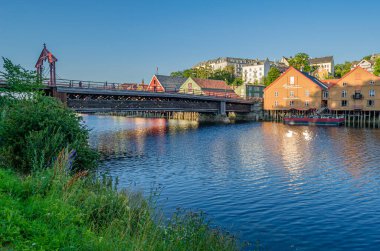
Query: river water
[{"x": 277, "y": 186}]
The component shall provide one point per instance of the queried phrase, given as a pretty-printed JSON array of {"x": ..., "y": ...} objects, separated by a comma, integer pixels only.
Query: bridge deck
[{"x": 89, "y": 91}]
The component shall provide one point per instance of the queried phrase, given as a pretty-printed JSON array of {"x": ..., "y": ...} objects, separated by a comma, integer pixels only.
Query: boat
[{"x": 316, "y": 120}]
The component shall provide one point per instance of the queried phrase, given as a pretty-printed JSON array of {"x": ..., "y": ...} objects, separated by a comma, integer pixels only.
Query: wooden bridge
[
  {"x": 96, "y": 97},
  {"x": 91, "y": 99}
]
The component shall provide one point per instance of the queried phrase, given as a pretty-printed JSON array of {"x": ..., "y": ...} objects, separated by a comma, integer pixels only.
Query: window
[
  {"x": 325, "y": 94},
  {"x": 371, "y": 103},
  {"x": 256, "y": 95},
  {"x": 307, "y": 103},
  {"x": 291, "y": 93},
  {"x": 344, "y": 94},
  {"x": 276, "y": 94},
  {"x": 292, "y": 80},
  {"x": 344, "y": 84},
  {"x": 275, "y": 103},
  {"x": 307, "y": 93},
  {"x": 344, "y": 103},
  {"x": 291, "y": 103},
  {"x": 372, "y": 93},
  {"x": 256, "y": 89}
]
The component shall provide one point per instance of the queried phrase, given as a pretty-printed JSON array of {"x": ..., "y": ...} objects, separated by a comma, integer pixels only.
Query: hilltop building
[
  {"x": 322, "y": 64},
  {"x": 326, "y": 63},
  {"x": 255, "y": 72},
  {"x": 221, "y": 63},
  {"x": 367, "y": 65}
]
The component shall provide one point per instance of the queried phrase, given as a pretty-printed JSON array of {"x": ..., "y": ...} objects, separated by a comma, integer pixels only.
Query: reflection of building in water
[{"x": 131, "y": 142}]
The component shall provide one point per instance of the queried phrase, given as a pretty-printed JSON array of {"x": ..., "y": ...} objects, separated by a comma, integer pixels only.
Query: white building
[
  {"x": 365, "y": 64},
  {"x": 254, "y": 73},
  {"x": 326, "y": 63},
  {"x": 221, "y": 63}
]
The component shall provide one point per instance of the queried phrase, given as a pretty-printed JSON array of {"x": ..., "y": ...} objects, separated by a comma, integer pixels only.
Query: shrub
[{"x": 34, "y": 130}]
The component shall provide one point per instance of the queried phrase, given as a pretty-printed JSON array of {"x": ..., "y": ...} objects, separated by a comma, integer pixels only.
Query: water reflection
[{"x": 304, "y": 188}]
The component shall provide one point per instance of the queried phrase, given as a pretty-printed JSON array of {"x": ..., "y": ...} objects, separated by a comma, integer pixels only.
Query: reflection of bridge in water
[{"x": 98, "y": 97}]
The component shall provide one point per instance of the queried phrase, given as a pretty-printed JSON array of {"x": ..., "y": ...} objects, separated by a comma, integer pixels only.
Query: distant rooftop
[{"x": 321, "y": 60}]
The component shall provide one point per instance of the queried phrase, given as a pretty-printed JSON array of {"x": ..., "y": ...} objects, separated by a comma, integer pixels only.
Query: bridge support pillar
[{"x": 222, "y": 108}]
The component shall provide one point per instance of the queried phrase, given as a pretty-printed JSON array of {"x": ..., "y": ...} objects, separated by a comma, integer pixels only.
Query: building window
[
  {"x": 291, "y": 103},
  {"x": 275, "y": 103},
  {"x": 291, "y": 93},
  {"x": 307, "y": 103},
  {"x": 307, "y": 93},
  {"x": 371, "y": 103},
  {"x": 325, "y": 94},
  {"x": 292, "y": 80},
  {"x": 256, "y": 95},
  {"x": 276, "y": 94},
  {"x": 344, "y": 84},
  {"x": 344, "y": 103},
  {"x": 372, "y": 93},
  {"x": 344, "y": 94}
]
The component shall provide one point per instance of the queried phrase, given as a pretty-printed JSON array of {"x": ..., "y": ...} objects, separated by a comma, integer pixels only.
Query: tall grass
[{"x": 51, "y": 209}]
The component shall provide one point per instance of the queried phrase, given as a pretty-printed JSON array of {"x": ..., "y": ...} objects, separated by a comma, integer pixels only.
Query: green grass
[{"x": 53, "y": 210}]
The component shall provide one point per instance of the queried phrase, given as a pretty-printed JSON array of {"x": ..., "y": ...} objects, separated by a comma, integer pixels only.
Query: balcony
[{"x": 357, "y": 96}]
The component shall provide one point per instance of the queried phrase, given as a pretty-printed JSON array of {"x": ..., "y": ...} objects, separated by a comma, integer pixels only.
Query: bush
[{"x": 33, "y": 131}]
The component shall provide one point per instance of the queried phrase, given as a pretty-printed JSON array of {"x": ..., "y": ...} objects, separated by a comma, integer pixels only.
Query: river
[{"x": 280, "y": 187}]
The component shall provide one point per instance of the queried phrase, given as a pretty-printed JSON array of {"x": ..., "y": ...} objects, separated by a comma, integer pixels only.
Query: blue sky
[{"x": 124, "y": 41}]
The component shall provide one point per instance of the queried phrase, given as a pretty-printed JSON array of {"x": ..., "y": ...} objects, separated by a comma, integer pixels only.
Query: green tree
[
  {"x": 342, "y": 69},
  {"x": 34, "y": 129},
  {"x": 300, "y": 61},
  {"x": 367, "y": 57},
  {"x": 237, "y": 82},
  {"x": 273, "y": 74},
  {"x": 19, "y": 79},
  {"x": 376, "y": 68}
]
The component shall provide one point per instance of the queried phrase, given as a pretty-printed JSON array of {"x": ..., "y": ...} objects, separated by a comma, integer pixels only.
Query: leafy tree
[
  {"x": 34, "y": 130},
  {"x": 367, "y": 57},
  {"x": 342, "y": 69},
  {"x": 237, "y": 82},
  {"x": 273, "y": 74},
  {"x": 376, "y": 68},
  {"x": 206, "y": 72},
  {"x": 19, "y": 79},
  {"x": 301, "y": 62}
]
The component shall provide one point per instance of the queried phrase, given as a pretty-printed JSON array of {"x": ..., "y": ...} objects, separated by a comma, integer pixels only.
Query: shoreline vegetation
[{"x": 51, "y": 200}]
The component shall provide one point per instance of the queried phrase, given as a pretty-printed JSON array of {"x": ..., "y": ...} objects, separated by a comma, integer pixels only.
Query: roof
[
  {"x": 356, "y": 69},
  {"x": 212, "y": 84},
  {"x": 330, "y": 82},
  {"x": 321, "y": 60},
  {"x": 169, "y": 82},
  {"x": 225, "y": 59},
  {"x": 313, "y": 79}
]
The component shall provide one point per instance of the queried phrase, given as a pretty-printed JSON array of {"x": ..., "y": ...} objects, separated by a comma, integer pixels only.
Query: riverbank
[{"x": 51, "y": 210}]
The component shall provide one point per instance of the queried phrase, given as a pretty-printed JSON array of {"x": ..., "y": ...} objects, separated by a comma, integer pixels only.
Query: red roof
[
  {"x": 212, "y": 84},
  {"x": 330, "y": 82}
]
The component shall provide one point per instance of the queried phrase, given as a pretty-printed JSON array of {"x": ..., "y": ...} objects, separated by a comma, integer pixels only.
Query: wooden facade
[
  {"x": 295, "y": 90},
  {"x": 208, "y": 87},
  {"x": 162, "y": 83},
  {"x": 358, "y": 90}
]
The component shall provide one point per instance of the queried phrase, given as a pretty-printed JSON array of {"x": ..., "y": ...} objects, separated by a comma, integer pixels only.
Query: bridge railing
[{"x": 228, "y": 94}]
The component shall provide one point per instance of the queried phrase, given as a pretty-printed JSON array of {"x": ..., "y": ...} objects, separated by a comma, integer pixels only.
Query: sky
[{"x": 125, "y": 41}]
